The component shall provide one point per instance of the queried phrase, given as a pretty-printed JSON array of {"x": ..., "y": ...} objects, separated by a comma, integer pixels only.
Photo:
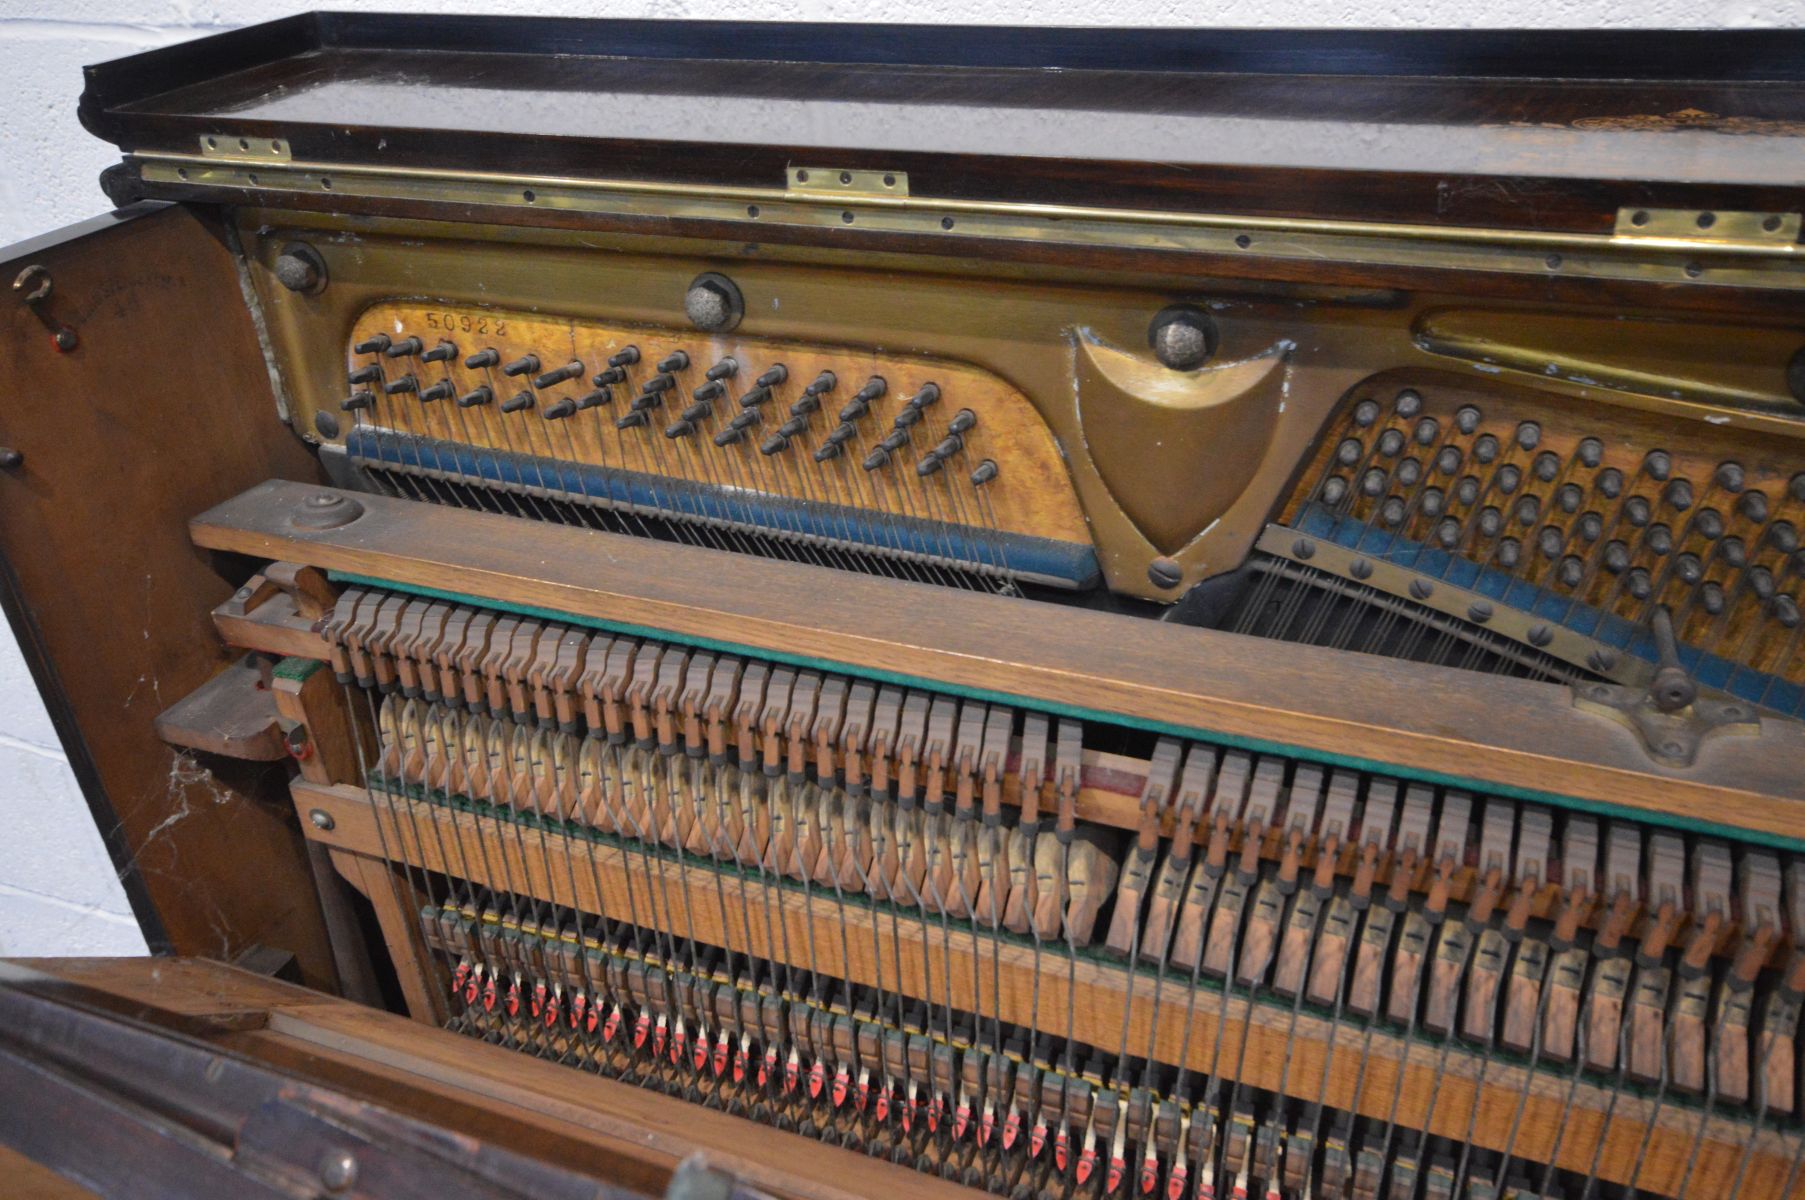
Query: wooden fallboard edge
[
  {"x": 626, "y": 1119},
  {"x": 587, "y": 1122},
  {"x": 1497, "y": 735}
]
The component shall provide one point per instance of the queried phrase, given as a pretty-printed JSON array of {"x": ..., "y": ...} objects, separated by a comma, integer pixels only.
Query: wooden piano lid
[{"x": 1387, "y": 126}]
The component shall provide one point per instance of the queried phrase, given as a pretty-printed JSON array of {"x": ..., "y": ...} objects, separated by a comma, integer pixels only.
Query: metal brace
[{"x": 1670, "y": 715}]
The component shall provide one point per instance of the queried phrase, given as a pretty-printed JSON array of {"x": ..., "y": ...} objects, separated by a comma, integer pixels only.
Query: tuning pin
[
  {"x": 827, "y": 451},
  {"x": 925, "y": 398},
  {"x": 627, "y": 356},
  {"x": 482, "y": 395},
  {"x": 876, "y": 459},
  {"x": 822, "y": 384},
  {"x": 443, "y": 352},
  {"x": 646, "y": 402},
  {"x": 929, "y": 464},
  {"x": 985, "y": 472},
  {"x": 405, "y": 348},
  {"x": 729, "y": 436},
  {"x": 773, "y": 377},
  {"x": 595, "y": 399},
  {"x": 963, "y": 421},
  {"x": 519, "y": 402},
  {"x": 557, "y": 375},
  {"x": 560, "y": 409},
  {"x": 949, "y": 446},
  {"x": 806, "y": 405},
  {"x": 773, "y": 444},
  {"x": 441, "y": 390},
  {"x": 483, "y": 358},
  {"x": 525, "y": 365},
  {"x": 357, "y": 400},
  {"x": 896, "y": 441},
  {"x": 367, "y": 374},
  {"x": 609, "y": 377},
  {"x": 701, "y": 410},
  {"x": 406, "y": 383},
  {"x": 675, "y": 361},
  {"x": 794, "y": 426},
  {"x": 657, "y": 384},
  {"x": 907, "y": 417},
  {"x": 679, "y": 429},
  {"x": 632, "y": 420},
  {"x": 727, "y": 368},
  {"x": 757, "y": 396},
  {"x": 376, "y": 343},
  {"x": 745, "y": 420},
  {"x": 710, "y": 391}
]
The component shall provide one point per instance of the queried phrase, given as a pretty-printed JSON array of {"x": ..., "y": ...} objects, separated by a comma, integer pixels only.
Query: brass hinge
[
  {"x": 245, "y": 149},
  {"x": 1707, "y": 229},
  {"x": 852, "y": 185}
]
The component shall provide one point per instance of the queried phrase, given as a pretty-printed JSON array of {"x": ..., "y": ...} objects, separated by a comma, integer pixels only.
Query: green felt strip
[{"x": 296, "y": 669}]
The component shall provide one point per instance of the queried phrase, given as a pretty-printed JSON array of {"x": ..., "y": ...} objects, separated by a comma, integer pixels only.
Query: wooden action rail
[
  {"x": 1505, "y": 736},
  {"x": 596, "y": 877}
]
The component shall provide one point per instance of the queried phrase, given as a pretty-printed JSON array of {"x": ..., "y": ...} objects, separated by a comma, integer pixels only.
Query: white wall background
[{"x": 57, "y": 890}]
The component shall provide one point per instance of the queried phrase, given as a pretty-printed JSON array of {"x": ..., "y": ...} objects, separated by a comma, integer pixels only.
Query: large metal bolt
[
  {"x": 301, "y": 269},
  {"x": 713, "y": 303},
  {"x": 1182, "y": 337},
  {"x": 1165, "y": 573}
]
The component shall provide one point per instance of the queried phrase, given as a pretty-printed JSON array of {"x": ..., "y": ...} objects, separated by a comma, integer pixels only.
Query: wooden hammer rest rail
[
  {"x": 555, "y": 870},
  {"x": 1347, "y": 708}
]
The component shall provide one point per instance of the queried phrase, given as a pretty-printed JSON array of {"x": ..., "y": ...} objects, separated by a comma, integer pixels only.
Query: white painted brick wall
[{"x": 57, "y": 891}]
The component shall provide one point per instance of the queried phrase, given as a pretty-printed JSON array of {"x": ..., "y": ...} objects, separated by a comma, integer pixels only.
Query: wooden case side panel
[{"x": 162, "y": 407}]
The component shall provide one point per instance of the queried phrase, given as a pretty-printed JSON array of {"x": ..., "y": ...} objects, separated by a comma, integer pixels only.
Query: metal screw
[
  {"x": 1360, "y": 569},
  {"x": 64, "y": 339},
  {"x": 338, "y": 1170},
  {"x": 10, "y": 458},
  {"x": 1304, "y": 548},
  {"x": 1421, "y": 589},
  {"x": 1164, "y": 573},
  {"x": 322, "y": 820}
]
